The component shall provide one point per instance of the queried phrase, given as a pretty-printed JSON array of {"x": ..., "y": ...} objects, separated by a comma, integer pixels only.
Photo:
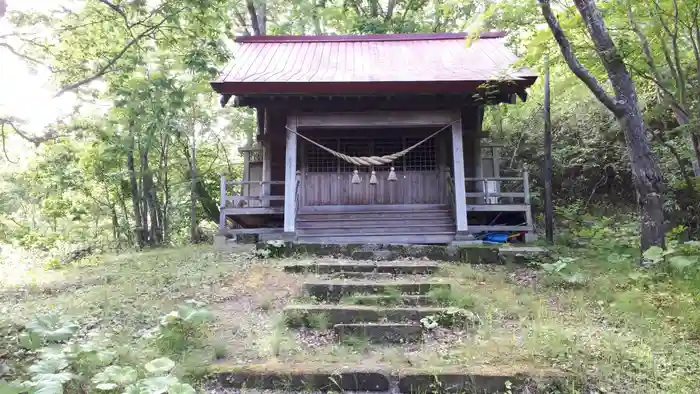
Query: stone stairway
[{"x": 384, "y": 304}]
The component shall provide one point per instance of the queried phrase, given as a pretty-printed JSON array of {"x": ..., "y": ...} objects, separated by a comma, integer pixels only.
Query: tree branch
[
  {"x": 572, "y": 61},
  {"x": 19, "y": 54},
  {"x": 646, "y": 49},
  {"x": 241, "y": 21},
  {"x": 106, "y": 68},
  {"x": 51, "y": 135},
  {"x": 4, "y": 142},
  {"x": 116, "y": 9}
]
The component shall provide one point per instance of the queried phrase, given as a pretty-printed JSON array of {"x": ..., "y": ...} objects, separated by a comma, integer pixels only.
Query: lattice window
[
  {"x": 317, "y": 159},
  {"x": 255, "y": 156},
  {"x": 388, "y": 146},
  {"x": 353, "y": 147},
  {"x": 422, "y": 158}
]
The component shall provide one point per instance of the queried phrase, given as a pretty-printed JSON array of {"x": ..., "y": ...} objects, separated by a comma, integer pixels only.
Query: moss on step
[
  {"x": 331, "y": 377},
  {"x": 307, "y": 315},
  {"x": 473, "y": 254},
  {"x": 334, "y": 290}
]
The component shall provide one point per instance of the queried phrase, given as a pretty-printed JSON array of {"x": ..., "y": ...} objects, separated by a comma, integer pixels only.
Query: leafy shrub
[
  {"x": 58, "y": 364},
  {"x": 272, "y": 249},
  {"x": 677, "y": 257},
  {"x": 452, "y": 317},
  {"x": 561, "y": 273},
  {"x": 182, "y": 329},
  {"x": 157, "y": 379}
]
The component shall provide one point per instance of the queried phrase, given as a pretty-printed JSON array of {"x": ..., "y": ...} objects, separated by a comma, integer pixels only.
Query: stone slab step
[
  {"x": 362, "y": 275},
  {"x": 334, "y": 290},
  {"x": 385, "y": 300},
  {"x": 327, "y": 378},
  {"x": 307, "y": 315},
  {"x": 263, "y": 377},
  {"x": 395, "y": 267},
  {"x": 380, "y": 332}
]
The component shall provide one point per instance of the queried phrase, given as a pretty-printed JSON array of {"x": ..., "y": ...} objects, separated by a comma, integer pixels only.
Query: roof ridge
[{"x": 366, "y": 37}]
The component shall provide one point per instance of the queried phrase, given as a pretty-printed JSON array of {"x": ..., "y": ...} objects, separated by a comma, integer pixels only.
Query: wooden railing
[
  {"x": 521, "y": 183},
  {"x": 232, "y": 192}
]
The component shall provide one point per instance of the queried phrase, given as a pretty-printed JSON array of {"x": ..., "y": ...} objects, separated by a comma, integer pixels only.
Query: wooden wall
[{"x": 417, "y": 187}]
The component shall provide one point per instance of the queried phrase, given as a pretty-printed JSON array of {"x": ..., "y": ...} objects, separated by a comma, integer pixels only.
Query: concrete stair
[
  {"x": 380, "y": 332},
  {"x": 384, "y": 379},
  {"x": 390, "y": 315},
  {"x": 334, "y": 290},
  {"x": 403, "y": 299},
  {"x": 304, "y": 315},
  {"x": 326, "y": 266}
]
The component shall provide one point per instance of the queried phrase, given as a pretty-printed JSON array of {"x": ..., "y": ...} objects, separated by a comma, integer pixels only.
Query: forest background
[{"x": 131, "y": 139}]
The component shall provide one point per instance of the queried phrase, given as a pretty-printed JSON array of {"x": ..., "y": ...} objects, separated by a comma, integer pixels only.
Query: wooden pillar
[
  {"x": 266, "y": 171},
  {"x": 290, "y": 178},
  {"x": 266, "y": 146},
  {"x": 458, "y": 165},
  {"x": 222, "y": 205}
]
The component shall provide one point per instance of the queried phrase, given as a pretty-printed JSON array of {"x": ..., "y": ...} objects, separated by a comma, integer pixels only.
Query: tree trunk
[
  {"x": 194, "y": 234},
  {"x": 695, "y": 140},
  {"x": 647, "y": 176},
  {"x": 683, "y": 119},
  {"x": 115, "y": 225},
  {"x": 319, "y": 6},
  {"x": 165, "y": 210},
  {"x": 122, "y": 204},
  {"x": 135, "y": 196},
  {"x": 150, "y": 215},
  {"x": 547, "y": 170}
]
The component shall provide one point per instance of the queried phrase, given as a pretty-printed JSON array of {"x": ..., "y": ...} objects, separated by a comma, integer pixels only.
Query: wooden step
[
  {"x": 334, "y": 290},
  {"x": 394, "y": 267},
  {"x": 371, "y": 208},
  {"x": 355, "y": 223},
  {"x": 380, "y": 332},
  {"x": 385, "y": 239},
  {"x": 374, "y": 215},
  {"x": 371, "y": 229}
]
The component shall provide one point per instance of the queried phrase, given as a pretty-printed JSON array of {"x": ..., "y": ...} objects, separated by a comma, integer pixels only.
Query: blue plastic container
[{"x": 497, "y": 237}]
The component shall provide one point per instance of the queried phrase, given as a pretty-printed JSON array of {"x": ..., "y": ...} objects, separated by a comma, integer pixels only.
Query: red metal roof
[{"x": 392, "y": 63}]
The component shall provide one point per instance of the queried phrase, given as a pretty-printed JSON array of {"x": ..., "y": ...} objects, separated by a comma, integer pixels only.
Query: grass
[{"x": 617, "y": 331}]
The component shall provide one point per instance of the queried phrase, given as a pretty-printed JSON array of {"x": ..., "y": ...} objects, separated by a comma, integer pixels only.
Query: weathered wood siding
[
  {"x": 335, "y": 188},
  {"x": 412, "y": 187}
]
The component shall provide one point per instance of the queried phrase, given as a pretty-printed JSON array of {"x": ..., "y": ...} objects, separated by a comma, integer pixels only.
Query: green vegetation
[
  {"x": 101, "y": 288},
  {"x": 608, "y": 331}
]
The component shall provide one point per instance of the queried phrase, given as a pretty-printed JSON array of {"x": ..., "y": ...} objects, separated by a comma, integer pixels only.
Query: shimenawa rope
[{"x": 371, "y": 160}]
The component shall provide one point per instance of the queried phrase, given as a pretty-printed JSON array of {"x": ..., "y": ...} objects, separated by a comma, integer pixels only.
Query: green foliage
[
  {"x": 50, "y": 328},
  {"x": 561, "y": 270},
  {"x": 452, "y": 317},
  {"x": 676, "y": 257},
  {"x": 181, "y": 329},
  {"x": 63, "y": 364},
  {"x": 272, "y": 249}
]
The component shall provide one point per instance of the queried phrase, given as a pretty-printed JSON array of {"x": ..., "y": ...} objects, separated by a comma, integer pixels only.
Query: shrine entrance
[{"x": 419, "y": 177}]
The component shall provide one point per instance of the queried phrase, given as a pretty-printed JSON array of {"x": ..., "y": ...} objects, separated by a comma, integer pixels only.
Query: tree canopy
[{"x": 120, "y": 167}]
